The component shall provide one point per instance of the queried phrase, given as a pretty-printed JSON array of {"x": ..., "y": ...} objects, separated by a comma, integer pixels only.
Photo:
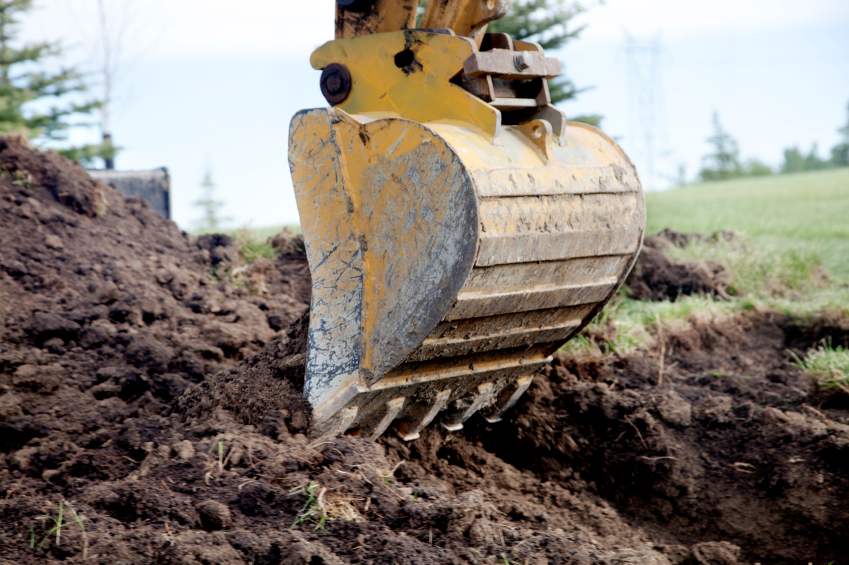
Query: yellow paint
[
  {"x": 374, "y": 162},
  {"x": 324, "y": 196},
  {"x": 421, "y": 91},
  {"x": 407, "y": 162}
]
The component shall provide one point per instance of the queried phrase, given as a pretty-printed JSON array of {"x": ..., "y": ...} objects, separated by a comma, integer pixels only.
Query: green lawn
[
  {"x": 806, "y": 212},
  {"x": 791, "y": 252}
]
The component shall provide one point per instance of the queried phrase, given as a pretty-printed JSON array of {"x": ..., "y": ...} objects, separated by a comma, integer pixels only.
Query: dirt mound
[
  {"x": 270, "y": 380},
  {"x": 110, "y": 314},
  {"x": 657, "y": 277},
  {"x": 730, "y": 446}
]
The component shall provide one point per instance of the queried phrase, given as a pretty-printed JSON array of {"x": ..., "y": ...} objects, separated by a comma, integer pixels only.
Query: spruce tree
[
  {"x": 210, "y": 221},
  {"x": 23, "y": 79},
  {"x": 813, "y": 161},
  {"x": 724, "y": 162},
  {"x": 840, "y": 152},
  {"x": 794, "y": 161}
]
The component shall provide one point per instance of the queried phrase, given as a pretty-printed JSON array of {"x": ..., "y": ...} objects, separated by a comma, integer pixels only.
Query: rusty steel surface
[
  {"x": 452, "y": 251},
  {"x": 504, "y": 63}
]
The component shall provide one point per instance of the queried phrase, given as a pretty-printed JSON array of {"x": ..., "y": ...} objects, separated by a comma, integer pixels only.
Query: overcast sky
[{"x": 214, "y": 82}]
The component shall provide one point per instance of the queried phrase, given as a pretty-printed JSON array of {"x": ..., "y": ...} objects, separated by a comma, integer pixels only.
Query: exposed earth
[{"x": 150, "y": 404}]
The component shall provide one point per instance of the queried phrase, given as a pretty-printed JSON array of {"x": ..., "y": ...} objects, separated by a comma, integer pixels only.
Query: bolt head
[
  {"x": 335, "y": 83},
  {"x": 523, "y": 60}
]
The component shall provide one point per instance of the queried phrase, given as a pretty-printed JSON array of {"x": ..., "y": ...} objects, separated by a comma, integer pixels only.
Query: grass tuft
[
  {"x": 312, "y": 510},
  {"x": 830, "y": 365},
  {"x": 251, "y": 247},
  {"x": 627, "y": 325},
  {"x": 321, "y": 506},
  {"x": 59, "y": 523}
]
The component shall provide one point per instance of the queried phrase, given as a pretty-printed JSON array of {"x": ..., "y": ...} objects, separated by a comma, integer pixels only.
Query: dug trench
[{"x": 150, "y": 405}]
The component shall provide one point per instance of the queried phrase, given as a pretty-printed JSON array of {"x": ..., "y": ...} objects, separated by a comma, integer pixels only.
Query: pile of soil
[
  {"x": 150, "y": 401},
  {"x": 657, "y": 277},
  {"x": 717, "y": 436}
]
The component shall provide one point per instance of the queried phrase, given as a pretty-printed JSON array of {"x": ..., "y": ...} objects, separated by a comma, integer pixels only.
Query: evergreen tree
[
  {"x": 840, "y": 152},
  {"x": 210, "y": 221},
  {"x": 547, "y": 22},
  {"x": 724, "y": 162},
  {"x": 794, "y": 161},
  {"x": 757, "y": 168},
  {"x": 840, "y": 155},
  {"x": 813, "y": 161},
  {"x": 24, "y": 80}
]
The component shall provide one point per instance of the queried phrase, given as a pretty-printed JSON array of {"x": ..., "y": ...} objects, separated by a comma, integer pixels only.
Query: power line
[{"x": 649, "y": 137}]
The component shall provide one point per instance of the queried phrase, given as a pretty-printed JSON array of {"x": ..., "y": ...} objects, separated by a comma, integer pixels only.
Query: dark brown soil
[
  {"x": 270, "y": 380},
  {"x": 733, "y": 445},
  {"x": 657, "y": 277},
  {"x": 730, "y": 456}
]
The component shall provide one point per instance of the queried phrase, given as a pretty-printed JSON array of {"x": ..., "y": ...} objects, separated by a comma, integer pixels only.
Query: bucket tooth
[
  {"x": 465, "y": 407},
  {"x": 421, "y": 415},
  {"x": 508, "y": 398},
  {"x": 378, "y": 423}
]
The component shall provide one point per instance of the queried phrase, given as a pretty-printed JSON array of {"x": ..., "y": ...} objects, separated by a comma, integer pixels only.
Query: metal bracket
[{"x": 539, "y": 132}]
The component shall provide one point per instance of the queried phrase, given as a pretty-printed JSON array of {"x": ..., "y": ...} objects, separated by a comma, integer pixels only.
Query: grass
[
  {"x": 790, "y": 252},
  {"x": 806, "y": 212},
  {"x": 252, "y": 246},
  {"x": 59, "y": 523},
  {"x": 756, "y": 270},
  {"x": 830, "y": 365},
  {"x": 261, "y": 233},
  {"x": 637, "y": 321},
  {"x": 626, "y": 325},
  {"x": 266, "y": 232},
  {"x": 312, "y": 510},
  {"x": 321, "y": 506}
]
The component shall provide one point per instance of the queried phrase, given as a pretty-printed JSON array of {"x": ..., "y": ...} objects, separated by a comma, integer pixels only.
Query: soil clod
[{"x": 657, "y": 277}]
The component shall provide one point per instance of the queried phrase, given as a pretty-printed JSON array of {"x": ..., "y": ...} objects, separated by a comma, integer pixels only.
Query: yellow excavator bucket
[{"x": 458, "y": 229}]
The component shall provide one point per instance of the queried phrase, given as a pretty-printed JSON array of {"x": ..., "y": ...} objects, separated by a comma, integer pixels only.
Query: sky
[{"x": 211, "y": 85}]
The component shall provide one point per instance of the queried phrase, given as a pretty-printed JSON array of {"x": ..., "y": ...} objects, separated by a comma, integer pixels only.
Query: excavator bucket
[{"x": 459, "y": 229}]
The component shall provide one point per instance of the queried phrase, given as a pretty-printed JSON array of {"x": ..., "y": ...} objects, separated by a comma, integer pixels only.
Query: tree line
[{"x": 724, "y": 162}]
